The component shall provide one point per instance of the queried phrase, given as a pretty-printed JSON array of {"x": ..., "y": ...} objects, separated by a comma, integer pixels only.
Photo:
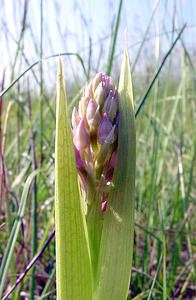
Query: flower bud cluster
[{"x": 95, "y": 135}]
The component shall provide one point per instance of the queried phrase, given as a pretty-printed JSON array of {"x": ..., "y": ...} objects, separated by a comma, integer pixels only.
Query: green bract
[
  {"x": 94, "y": 248},
  {"x": 73, "y": 266}
]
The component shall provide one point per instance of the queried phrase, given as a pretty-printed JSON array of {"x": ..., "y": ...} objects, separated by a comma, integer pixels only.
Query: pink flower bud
[
  {"x": 99, "y": 94},
  {"x": 92, "y": 114},
  {"x": 96, "y": 81},
  {"x": 81, "y": 136},
  {"x": 109, "y": 84},
  {"x": 75, "y": 118},
  {"x": 83, "y": 106},
  {"x": 104, "y": 205},
  {"x": 89, "y": 91},
  {"x": 111, "y": 106},
  {"x": 104, "y": 130}
]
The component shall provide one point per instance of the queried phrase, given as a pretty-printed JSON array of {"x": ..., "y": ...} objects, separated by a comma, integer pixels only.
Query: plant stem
[
  {"x": 112, "y": 52},
  {"x": 41, "y": 82},
  {"x": 34, "y": 204}
]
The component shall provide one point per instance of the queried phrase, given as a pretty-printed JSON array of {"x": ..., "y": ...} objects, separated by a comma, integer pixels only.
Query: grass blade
[
  {"x": 29, "y": 266},
  {"x": 111, "y": 57},
  {"x": 14, "y": 232},
  {"x": 143, "y": 100},
  {"x": 39, "y": 61}
]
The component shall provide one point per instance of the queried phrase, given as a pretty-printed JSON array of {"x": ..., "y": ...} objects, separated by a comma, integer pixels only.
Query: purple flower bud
[
  {"x": 109, "y": 84},
  {"x": 92, "y": 114},
  {"x": 79, "y": 162},
  {"x": 81, "y": 136},
  {"x": 111, "y": 105},
  {"x": 111, "y": 136},
  {"x": 75, "y": 118},
  {"x": 104, "y": 129}
]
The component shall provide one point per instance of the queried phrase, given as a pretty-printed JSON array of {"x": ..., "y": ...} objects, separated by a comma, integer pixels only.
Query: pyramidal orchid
[{"x": 94, "y": 189}]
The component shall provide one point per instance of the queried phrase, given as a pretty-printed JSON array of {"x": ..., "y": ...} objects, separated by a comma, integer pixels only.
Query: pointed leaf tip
[{"x": 60, "y": 74}]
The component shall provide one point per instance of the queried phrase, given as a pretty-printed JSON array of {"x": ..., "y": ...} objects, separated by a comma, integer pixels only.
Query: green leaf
[
  {"x": 73, "y": 264},
  {"x": 116, "y": 248}
]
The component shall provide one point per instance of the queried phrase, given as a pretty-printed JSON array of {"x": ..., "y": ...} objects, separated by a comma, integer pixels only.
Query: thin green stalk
[
  {"x": 94, "y": 221},
  {"x": 164, "y": 267},
  {"x": 9, "y": 250},
  {"x": 168, "y": 134},
  {"x": 21, "y": 50},
  {"x": 112, "y": 52},
  {"x": 37, "y": 62},
  {"x": 48, "y": 284},
  {"x": 41, "y": 84},
  {"x": 155, "y": 278},
  {"x": 34, "y": 237},
  {"x": 34, "y": 202},
  {"x": 143, "y": 100},
  {"x": 185, "y": 285},
  {"x": 20, "y": 37}
]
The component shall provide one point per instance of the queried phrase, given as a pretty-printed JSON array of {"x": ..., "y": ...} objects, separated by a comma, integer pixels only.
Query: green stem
[
  {"x": 94, "y": 221},
  {"x": 111, "y": 56},
  {"x": 41, "y": 83},
  {"x": 34, "y": 204}
]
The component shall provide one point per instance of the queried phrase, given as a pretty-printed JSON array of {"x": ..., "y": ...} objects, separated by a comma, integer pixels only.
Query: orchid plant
[{"x": 94, "y": 189}]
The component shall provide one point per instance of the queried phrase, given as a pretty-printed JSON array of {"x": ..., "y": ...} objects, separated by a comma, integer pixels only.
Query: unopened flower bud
[
  {"x": 83, "y": 106},
  {"x": 75, "y": 118},
  {"x": 104, "y": 205},
  {"x": 96, "y": 81},
  {"x": 93, "y": 116},
  {"x": 111, "y": 136},
  {"x": 105, "y": 128},
  {"x": 99, "y": 94},
  {"x": 104, "y": 150},
  {"x": 111, "y": 106},
  {"x": 82, "y": 138},
  {"x": 109, "y": 84},
  {"x": 79, "y": 162}
]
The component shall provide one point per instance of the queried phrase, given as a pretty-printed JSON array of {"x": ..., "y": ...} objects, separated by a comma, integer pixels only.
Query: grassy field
[{"x": 164, "y": 265}]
